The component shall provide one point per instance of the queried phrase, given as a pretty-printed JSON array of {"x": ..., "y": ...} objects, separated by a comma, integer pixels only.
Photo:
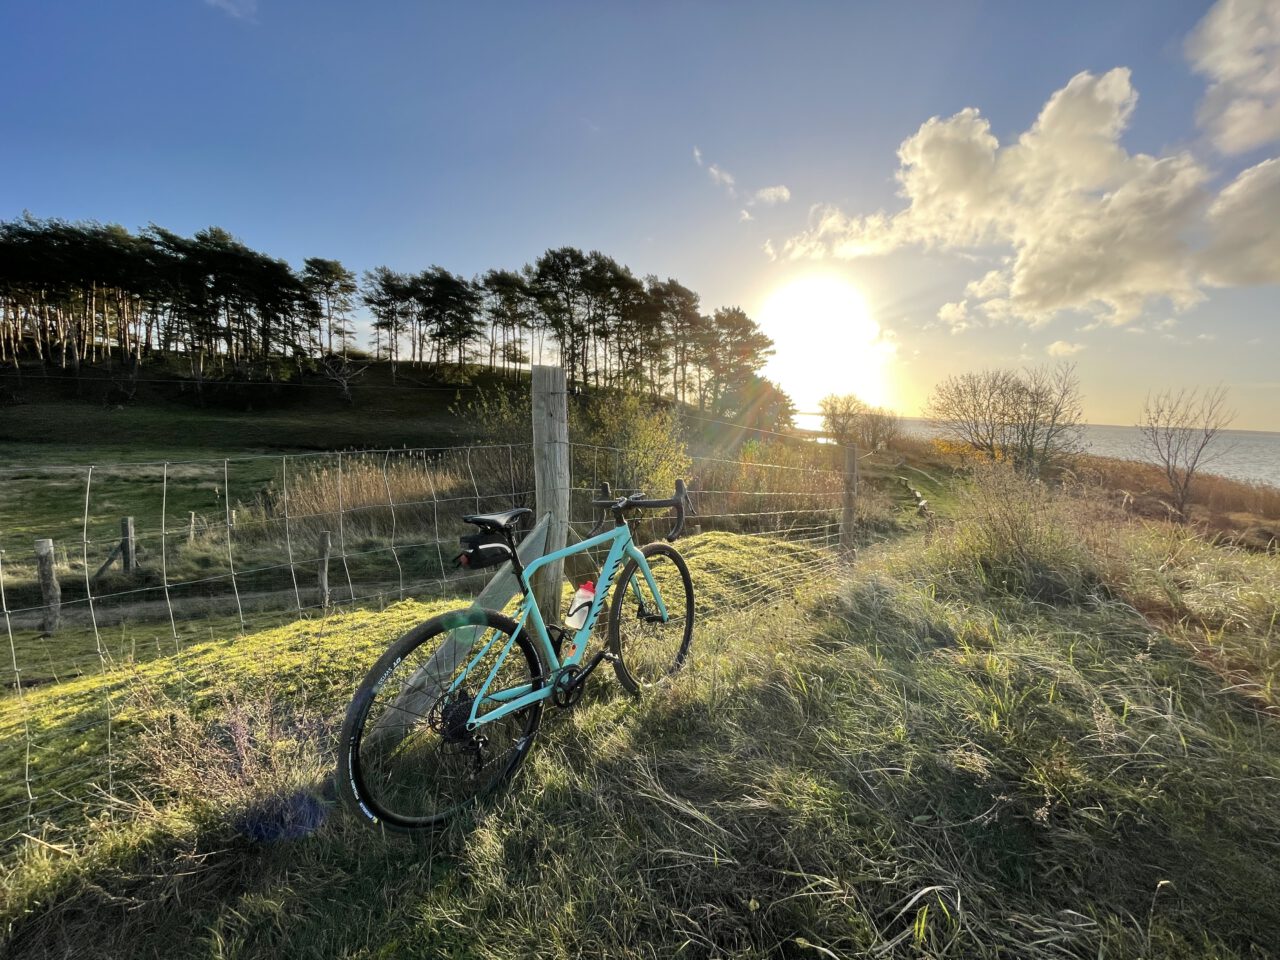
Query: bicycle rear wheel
[
  {"x": 649, "y": 649},
  {"x": 406, "y": 757}
]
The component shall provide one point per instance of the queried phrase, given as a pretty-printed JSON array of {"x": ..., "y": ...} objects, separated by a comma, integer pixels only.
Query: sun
[{"x": 826, "y": 341}]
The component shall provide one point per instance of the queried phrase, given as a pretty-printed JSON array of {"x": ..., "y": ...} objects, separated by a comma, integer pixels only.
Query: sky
[{"x": 897, "y": 192}]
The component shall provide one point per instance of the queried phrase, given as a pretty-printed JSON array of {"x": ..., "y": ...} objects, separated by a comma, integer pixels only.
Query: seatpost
[{"x": 516, "y": 566}]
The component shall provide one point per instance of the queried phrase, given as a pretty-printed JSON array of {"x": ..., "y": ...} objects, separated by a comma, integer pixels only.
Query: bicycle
[{"x": 436, "y": 725}]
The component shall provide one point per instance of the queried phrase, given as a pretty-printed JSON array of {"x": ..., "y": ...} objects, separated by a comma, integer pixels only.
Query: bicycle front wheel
[
  {"x": 649, "y": 648},
  {"x": 408, "y": 756}
]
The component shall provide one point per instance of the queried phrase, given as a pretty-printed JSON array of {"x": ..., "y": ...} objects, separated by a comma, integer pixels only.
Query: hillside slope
[{"x": 930, "y": 757}]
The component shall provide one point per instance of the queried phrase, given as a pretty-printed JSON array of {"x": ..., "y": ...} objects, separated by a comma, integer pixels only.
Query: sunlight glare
[{"x": 827, "y": 342}]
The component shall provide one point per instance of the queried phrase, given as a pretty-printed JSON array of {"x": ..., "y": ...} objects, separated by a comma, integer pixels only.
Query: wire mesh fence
[
  {"x": 213, "y": 549},
  {"x": 148, "y": 558}
]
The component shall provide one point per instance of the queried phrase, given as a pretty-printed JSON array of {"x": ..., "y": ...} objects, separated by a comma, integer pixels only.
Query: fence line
[{"x": 397, "y": 512}]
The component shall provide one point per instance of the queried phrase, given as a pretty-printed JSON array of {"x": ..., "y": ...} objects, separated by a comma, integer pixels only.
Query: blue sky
[{"x": 478, "y": 135}]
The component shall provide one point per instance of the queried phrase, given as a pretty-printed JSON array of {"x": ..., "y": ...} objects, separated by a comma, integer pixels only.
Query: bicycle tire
[
  {"x": 649, "y": 651},
  {"x": 405, "y": 760}
]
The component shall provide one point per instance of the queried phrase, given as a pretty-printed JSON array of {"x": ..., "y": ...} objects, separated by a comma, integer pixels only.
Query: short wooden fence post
[
  {"x": 849, "y": 504},
  {"x": 326, "y": 548},
  {"x": 50, "y": 591},
  {"x": 128, "y": 545}
]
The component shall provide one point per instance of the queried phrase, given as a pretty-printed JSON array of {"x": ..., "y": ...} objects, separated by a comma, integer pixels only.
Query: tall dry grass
[
  {"x": 1209, "y": 492},
  {"x": 385, "y": 495},
  {"x": 1015, "y": 535}
]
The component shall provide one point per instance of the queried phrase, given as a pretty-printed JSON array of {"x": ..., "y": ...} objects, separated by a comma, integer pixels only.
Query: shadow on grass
[
  {"x": 1003, "y": 780},
  {"x": 274, "y": 882}
]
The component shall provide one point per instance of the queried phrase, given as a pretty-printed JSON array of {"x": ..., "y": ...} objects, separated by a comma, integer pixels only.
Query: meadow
[
  {"x": 1033, "y": 720},
  {"x": 1034, "y": 727}
]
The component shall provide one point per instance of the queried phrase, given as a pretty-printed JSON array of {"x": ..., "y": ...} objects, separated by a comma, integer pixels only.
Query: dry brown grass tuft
[{"x": 1224, "y": 503}]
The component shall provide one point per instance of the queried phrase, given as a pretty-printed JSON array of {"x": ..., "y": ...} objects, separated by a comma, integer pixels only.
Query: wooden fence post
[
  {"x": 191, "y": 527},
  {"x": 849, "y": 506},
  {"x": 326, "y": 548},
  {"x": 128, "y": 545},
  {"x": 50, "y": 591},
  {"x": 551, "y": 479}
]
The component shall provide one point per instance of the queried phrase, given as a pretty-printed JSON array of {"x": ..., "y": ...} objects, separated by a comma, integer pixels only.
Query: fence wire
[
  {"x": 218, "y": 547},
  {"x": 799, "y": 501},
  {"x": 222, "y": 547}
]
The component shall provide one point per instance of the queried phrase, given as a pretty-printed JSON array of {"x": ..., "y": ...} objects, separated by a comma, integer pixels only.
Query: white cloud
[
  {"x": 994, "y": 283},
  {"x": 1237, "y": 46},
  {"x": 767, "y": 196},
  {"x": 1060, "y": 348},
  {"x": 721, "y": 177},
  {"x": 239, "y": 9},
  {"x": 769, "y": 251},
  {"x": 772, "y": 195},
  {"x": 1244, "y": 240},
  {"x": 1087, "y": 225},
  {"x": 956, "y": 316}
]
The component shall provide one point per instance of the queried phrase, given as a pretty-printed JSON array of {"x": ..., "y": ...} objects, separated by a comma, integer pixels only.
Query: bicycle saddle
[{"x": 500, "y": 521}]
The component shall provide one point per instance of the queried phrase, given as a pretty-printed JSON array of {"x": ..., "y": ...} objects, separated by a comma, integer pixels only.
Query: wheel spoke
[
  {"x": 417, "y": 762},
  {"x": 649, "y": 648}
]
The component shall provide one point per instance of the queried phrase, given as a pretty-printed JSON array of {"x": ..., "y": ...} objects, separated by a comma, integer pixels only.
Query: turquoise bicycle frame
[{"x": 530, "y": 620}]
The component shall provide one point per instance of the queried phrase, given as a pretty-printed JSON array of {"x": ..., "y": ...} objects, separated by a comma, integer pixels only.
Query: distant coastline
[{"x": 1249, "y": 455}]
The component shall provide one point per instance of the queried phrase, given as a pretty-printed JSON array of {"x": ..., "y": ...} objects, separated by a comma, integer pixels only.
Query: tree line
[{"x": 84, "y": 292}]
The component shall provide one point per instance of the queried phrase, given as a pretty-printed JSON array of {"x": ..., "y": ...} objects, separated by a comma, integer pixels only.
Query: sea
[{"x": 1249, "y": 455}]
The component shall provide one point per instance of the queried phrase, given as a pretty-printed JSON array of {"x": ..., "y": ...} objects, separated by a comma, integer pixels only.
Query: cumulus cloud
[
  {"x": 956, "y": 316},
  {"x": 1237, "y": 47},
  {"x": 697, "y": 156},
  {"x": 772, "y": 195},
  {"x": 239, "y": 9},
  {"x": 1060, "y": 348},
  {"x": 744, "y": 216},
  {"x": 1244, "y": 241},
  {"x": 1087, "y": 225}
]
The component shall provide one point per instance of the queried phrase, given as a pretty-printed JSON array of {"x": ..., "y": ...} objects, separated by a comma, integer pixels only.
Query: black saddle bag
[{"x": 480, "y": 550}]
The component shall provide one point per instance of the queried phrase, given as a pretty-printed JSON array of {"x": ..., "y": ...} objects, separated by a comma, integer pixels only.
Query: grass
[
  {"x": 1244, "y": 513},
  {"x": 225, "y": 451},
  {"x": 315, "y": 662},
  {"x": 924, "y": 758},
  {"x": 393, "y": 519}
]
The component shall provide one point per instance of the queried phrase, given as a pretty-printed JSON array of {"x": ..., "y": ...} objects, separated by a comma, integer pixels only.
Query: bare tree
[
  {"x": 1049, "y": 416},
  {"x": 841, "y": 415},
  {"x": 1030, "y": 418},
  {"x": 878, "y": 427},
  {"x": 342, "y": 372},
  {"x": 1177, "y": 429}
]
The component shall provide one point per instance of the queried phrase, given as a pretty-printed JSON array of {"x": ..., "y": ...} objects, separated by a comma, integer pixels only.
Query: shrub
[{"x": 1019, "y": 536}]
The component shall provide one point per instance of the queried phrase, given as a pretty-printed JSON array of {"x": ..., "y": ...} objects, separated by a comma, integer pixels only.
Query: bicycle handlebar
[{"x": 639, "y": 501}]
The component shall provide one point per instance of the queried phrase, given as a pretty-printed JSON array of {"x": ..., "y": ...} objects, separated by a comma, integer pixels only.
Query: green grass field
[
  {"x": 1029, "y": 726},
  {"x": 970, "y": 743}
]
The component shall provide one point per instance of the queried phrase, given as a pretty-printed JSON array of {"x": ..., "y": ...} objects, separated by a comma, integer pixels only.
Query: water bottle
[{"x": 580, "y": 605}]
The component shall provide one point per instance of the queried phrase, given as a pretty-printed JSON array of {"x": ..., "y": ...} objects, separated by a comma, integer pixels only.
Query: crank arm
[{"x": 599, "y": 658}]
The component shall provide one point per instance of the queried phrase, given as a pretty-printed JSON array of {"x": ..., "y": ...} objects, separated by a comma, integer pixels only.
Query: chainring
[{"x": 564, "y": 691}]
